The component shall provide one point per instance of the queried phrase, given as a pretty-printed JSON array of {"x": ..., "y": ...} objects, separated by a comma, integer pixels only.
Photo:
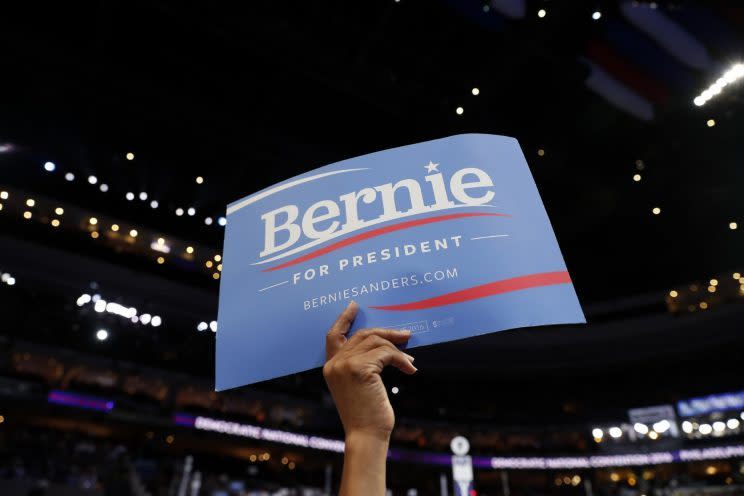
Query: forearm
[{"x": 364, "y": 465}]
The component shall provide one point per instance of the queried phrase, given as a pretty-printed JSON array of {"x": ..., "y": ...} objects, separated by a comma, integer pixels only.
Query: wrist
[
  {"x": 365, "y": 457},
  {"x": 366, "y": 439}
]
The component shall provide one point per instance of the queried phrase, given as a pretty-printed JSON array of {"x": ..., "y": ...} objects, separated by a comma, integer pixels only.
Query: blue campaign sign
[{"x": 447, "y": 238}]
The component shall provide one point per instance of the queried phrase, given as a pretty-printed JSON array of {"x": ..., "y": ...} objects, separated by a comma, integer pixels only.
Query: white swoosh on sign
[{"x": 291, "y": 184}]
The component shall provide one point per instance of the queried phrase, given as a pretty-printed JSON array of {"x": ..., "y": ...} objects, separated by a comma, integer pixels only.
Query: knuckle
[
  {"x": 384, "y": 344},
  {"x": 328, "y": 369},
  {"x": 334, "y": 368},
  {"x": 346, "y": 368}
]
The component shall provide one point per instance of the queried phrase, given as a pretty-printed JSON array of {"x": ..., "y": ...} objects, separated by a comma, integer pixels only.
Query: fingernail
[
  {"x": 352, "y": 303},
  {"x": 410, "y": 357}
]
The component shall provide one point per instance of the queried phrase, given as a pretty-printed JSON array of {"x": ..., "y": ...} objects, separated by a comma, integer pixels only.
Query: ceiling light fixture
[{"x": 733, "y": 74}]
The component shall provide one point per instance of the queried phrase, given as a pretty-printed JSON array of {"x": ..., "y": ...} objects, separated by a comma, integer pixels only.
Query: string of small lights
[
  {"x": 697, "y": 296},
  {"x": 731, "y": 76},
  {"x": 567, "y": 480},
  {"x": 143, "y": 196},
  {"x": 118, "y": 234},
  {"x": 100, "y": 305},
  {"x": 203, "y": 326},
  {"x": 721, "y": 424}
]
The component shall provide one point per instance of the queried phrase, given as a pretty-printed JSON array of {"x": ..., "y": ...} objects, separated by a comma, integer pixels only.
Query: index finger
[
  {"x": 365, "y": 338},
  {"x": 336, "y": 336}
]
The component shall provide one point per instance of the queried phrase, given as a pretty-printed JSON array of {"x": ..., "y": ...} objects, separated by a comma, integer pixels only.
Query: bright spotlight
[
  {"x": 49, "y": 166},
  {"x": 640, "y": 428},
  {"x": 719, "y": 426},
  {"x": 156, "y": 321},
  {"x": 616, "y": 432},
  {"x": 102, "y": 334},
  {"x": 145, "y": 318},
  {"x": 459, "y": 110},
  {"x": 596, "y": 15},
  {"x": 129, "y": 196},
  {"x": 154, "y": 204},
  {"x": 103, "y": 187},
  {"x": 687, "y": 427},
  {"x": 92, "y": 179},
  {"x": 541, "y": 13},
  {"x": 733, "y": 74},
  {"x": 191, "y": 211},
  {"x": 662, "y": 426},
  {"x": 733, "y": 423},
  {"x": 143, "y": 196},
  {"x": 597, "y": 433},
  {"x": 208, "y": 221},
  {"x": 199, "y": 180},
  {"x": 222, "y": 221},
  {"x": 179, "y": 211},
  {"x": 475, "y": 91},
  {"x": 213, "y": 326},
  {"x": 69, "y": 176},
  {"x": 130, "y": 156},
  {"x": 705, "y": 429},
  {"x": 395, "y": 390},
  {"x": 11, "y": 281},
  {"x": 202, "y": 326}
]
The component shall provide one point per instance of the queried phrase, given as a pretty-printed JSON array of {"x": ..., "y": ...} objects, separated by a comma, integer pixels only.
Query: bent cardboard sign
[{"x": 446, "y": 238}]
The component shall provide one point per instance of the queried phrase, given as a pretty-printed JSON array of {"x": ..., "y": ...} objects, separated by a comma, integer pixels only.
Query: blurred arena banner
[{"x": 447, "y": 238}]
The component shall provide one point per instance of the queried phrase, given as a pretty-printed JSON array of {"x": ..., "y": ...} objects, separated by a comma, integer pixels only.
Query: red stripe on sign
[
  {"x": 379, "y": 232},
  {"x": 490, "y": 289}
]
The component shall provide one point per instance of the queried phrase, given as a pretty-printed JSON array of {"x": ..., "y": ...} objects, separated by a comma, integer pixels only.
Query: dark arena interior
[{"x": 127, "y": 127}]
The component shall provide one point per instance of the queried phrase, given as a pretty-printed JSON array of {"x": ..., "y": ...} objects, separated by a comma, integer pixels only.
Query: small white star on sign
[{"x": 432, "y": 167}]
